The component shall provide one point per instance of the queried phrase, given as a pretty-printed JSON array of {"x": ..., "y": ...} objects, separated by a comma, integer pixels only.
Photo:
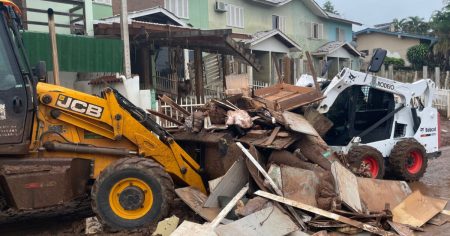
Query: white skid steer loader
[{"x": 380, "y": 124}]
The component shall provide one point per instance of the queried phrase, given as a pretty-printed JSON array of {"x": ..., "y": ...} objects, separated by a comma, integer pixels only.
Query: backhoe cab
[
  {"x": 381, "y": 124},
  {"x": 60, "y": 147}
]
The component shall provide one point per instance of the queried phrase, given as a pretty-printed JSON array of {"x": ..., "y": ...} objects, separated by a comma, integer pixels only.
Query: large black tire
[
  {"x": 127, "y": 171},
  {"x": 366, "y": 161},
  {"x": 408, "y": 160}
]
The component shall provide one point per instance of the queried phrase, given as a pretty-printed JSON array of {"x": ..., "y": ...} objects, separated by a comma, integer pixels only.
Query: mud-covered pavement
[{"x": 436, "y": 183}]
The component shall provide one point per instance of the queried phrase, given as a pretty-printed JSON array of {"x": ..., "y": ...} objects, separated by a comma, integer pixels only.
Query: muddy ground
[{"x": 435, "y": 183}]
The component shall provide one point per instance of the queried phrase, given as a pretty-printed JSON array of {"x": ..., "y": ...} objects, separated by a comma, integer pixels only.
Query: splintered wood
[
  {"x": 298, "y": 123},
  {"x": 376, "y": 193},
  {"x": 346, "y": 186},
  {"x": 235, "y": 178},
  {"x": 324, "y": 213},
  {"x": 195, "y": 200},
  {"x": 267, "y": 222},
  {"x": 285, "y": 97},
  {"x": 417, "y": 209}
]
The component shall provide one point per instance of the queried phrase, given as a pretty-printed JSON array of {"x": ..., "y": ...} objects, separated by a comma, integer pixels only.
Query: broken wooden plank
[
  {"x": 228, "y": 207},
  {"x": 446, "y": 212},
  {"x": 313, "y": 71},
  {"x": 165, "y": 117},
  {"x": 417, "y": 209},
  {"x": 279, "y": 143},
  {"x": 324, "y": 213},
  {"x": 376, "y": 193},
  {"x": 224, "y": 105},
  {"x": 299, "y": 185},
  {"x": 275, "y": 173},
  {"x": 298, "y": 123},
  {"x": 213, "y": 183},
  {"x": 284, "y": 97},
  {"x": 167, "y": 226},
  {"x": 272, "y": 136},
  {"x": 315, "y": 149},
  {"x": 346, "y": 186},
  {"x": 402, "y": 230},
  {"x": 271, "y": 182},
  {"x": 191, "y": 228},
  {"x": 235, "y": 178},
  {"x": 320, "y": 122},
  {"x": 439, "y": 219},
  {"x": 195, "y": 200},
  {"x": 174, "y": 105},
  {"x": 267, "y": 222}
]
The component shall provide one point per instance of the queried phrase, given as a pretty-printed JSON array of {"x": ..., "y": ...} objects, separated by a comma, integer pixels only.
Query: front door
[{"x": 13, "y": 93}]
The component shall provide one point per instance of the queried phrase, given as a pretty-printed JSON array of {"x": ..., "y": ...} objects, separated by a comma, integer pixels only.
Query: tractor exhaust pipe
[{"x": 54, "y": 45}]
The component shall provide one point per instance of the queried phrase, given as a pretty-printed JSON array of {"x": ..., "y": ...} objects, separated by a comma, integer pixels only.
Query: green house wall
[
  {"x": 101, "y": 11},
  {"x": 258, "y": 17}
]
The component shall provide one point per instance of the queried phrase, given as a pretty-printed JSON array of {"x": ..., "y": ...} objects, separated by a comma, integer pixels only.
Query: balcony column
[{"x": 89, "y": 16}]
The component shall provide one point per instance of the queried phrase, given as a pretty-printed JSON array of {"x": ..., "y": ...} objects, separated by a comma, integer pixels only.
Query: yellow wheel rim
[{"x": 117, "y": 207}]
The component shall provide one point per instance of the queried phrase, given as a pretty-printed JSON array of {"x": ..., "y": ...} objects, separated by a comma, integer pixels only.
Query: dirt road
[{"x": 436, "y": 183}]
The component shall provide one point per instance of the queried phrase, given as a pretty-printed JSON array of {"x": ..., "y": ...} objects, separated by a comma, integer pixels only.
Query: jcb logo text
[{"x": 79, "y": 106}]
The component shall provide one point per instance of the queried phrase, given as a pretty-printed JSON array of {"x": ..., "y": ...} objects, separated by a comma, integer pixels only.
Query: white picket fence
[
  {"x": 441, "y": 101},
  {"x": 259, "y": 84},
  {"x": 191, "y": 104}
]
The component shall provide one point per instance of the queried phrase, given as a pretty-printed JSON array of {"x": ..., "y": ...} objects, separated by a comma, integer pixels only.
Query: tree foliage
[
  {"x": 412, "y": 24},
  {"x": 418, "y": 56},
  {"x": 440, "y": 23},
  {"x": 329, "y": 7},
  {"x": 397, "y": 62}
]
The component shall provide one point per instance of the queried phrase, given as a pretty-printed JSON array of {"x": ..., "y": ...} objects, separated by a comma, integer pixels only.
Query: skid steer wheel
[
  {"x": 367, "y": 161},
  {"x": 408, "y": 160},
  {"x": 132, "y": 193}
]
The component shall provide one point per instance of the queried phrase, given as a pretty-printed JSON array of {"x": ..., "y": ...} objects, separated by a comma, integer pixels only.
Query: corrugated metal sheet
[{"x": 76, "y": 53}]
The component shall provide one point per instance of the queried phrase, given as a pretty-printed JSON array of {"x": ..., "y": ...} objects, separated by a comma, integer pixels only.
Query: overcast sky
[{"x": 372, "y": 12}]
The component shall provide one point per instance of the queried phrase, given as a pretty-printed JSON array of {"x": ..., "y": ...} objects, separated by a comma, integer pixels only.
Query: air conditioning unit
[{"x": 221, "y": 7}]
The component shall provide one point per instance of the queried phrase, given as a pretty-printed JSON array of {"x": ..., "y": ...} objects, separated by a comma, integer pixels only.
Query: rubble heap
[{"x": 271, "y": 173}]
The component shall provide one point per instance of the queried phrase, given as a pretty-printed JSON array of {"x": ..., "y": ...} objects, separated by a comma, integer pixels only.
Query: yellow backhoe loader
[{"x": 58, "y": 146}]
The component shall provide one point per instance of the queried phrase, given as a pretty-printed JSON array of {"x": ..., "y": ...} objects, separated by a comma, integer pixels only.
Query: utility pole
[{"x": 125, "y": 38}]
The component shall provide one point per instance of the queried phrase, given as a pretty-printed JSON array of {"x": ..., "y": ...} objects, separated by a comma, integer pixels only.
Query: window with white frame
[
  {"x": 279, "y": 22},
  {"x": 316, "y": 31},
  {"x": 178, "y": 7},
  {"x": 340, "y": 34},
  {"x": 106, "y": 2},
  {"x": 235, "y": 16}
]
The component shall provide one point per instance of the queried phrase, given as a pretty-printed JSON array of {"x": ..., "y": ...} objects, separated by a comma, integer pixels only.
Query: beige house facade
[{"x": 396, "y": 43}]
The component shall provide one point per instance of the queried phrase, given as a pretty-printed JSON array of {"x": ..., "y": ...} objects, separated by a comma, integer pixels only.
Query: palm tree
[
  {"x": 416, "y": 25},
  {"x": 398, "y": 24},
  {"x": 440, "y": 24}
]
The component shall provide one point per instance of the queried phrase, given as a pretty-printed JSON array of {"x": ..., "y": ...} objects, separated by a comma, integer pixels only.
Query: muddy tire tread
[
  {"x": 396, "y": 160},
  {"x": 144, "y": 164},
  {"x": 357, "y": 152}
]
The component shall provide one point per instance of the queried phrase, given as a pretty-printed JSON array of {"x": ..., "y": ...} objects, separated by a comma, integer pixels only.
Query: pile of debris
[{"x": 277, "y": 176}]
